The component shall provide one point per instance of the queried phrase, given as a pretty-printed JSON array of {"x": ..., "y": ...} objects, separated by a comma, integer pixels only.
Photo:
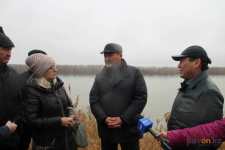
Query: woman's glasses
[{"x": 53, "y": 67}]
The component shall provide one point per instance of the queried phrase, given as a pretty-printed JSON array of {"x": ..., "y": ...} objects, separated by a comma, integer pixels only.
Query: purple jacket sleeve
[{"x": 214, "y": 131}]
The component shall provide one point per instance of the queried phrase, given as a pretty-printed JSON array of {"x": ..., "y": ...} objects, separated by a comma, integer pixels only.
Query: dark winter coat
[
  {"x": 11, "y": 103},
  {"x": 24, "y": 76},
  {"x": 44, "y": 113},
  {"x": 118, "y": 93},
  {"x": 198, "y": 102},
  {"x": 27, "y": 130}
]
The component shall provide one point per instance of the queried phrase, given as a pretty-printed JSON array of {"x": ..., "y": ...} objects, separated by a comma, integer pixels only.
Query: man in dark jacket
[
  {"x": 118, "y": 94},
  {"x": 27, "y": 131},
  {"x": 199, "y": 100},
  {"x": 10, "y": 95}
]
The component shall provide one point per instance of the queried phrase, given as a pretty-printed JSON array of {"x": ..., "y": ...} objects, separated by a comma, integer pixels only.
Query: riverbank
[{"x": 94, "y": 69}]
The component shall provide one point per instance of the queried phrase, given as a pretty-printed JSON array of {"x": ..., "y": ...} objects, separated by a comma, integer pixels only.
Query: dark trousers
[
  {"x": 134, "y": 145},
  {"x": 13, "y": 148},
  {"x": 25, "y": 138}
]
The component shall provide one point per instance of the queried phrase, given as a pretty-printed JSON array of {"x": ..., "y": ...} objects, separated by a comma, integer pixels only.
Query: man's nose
[
  {"x": 9, "y": 52},
  {"x": 178, "y": 65},
  {"x": 106, "y": 57}
]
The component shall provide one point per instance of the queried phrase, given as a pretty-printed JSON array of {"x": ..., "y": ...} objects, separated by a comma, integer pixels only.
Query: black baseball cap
[
  {"x": 195, "y": 52},
  {"x": 112, "y": 48}
]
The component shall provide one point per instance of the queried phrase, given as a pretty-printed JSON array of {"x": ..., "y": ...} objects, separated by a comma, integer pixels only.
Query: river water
[{"x": 161, "y": 91}]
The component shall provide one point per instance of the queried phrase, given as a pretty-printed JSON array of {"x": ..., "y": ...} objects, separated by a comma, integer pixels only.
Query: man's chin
[
  {"x": 5, "y": 62},
  {"x": 181, "y": 75},
  {"x": 108, "y": 66}
]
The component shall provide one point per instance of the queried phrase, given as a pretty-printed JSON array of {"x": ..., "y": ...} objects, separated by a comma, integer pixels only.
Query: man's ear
[
  {"x": 197, "y": 63},
  {"x": 121, "y": 55}
]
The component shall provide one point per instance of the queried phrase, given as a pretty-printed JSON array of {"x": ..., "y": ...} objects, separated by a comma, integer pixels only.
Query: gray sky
[{"x": 150, "y": 31}]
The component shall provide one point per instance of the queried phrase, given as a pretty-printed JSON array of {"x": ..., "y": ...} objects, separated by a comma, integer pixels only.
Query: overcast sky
[{"x": 150, "y": 31}]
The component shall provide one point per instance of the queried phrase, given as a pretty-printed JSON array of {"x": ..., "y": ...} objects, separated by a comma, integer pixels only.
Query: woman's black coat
[{"x": 44, "y": 113}]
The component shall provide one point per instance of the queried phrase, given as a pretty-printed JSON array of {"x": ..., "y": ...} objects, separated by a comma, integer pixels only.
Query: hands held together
[
  {"x": 68, "y": 121},
  {"x": 113, "y": 122}
]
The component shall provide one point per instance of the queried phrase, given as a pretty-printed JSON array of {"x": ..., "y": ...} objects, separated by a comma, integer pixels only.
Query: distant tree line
[{"x": 94, "y": 69}]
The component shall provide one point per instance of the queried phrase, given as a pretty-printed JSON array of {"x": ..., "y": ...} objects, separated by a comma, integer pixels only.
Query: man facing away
[
  {"x": 27, "y": 131},
  {"x": 10, "y": 95},
  {"x": 118, "y": 94},
  {"x": 199, "y": 100}
]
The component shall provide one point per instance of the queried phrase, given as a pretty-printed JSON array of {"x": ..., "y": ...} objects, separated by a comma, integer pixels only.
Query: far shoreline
[{"x": 94, "y": 69}]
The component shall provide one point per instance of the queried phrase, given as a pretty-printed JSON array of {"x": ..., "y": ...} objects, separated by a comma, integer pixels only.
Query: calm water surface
[{"x": 162, "y": 91}]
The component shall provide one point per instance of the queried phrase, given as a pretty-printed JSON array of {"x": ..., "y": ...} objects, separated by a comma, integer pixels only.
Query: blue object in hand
[{"x": 144, "y": 124}]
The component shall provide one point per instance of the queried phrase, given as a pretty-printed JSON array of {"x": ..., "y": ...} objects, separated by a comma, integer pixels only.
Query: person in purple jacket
[{"x": 211, "y": 133}]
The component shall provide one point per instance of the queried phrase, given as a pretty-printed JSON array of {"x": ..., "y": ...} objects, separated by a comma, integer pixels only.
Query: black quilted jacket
[
  {"x": 43, "y": 113},
  {"x": 10, "y": 102}
]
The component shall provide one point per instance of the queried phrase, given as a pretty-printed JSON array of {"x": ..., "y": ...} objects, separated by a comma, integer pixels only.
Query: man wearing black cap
[
  {"x": 199, "y": 100},
  {"x": 27, "y": 132},
  {"x": 10, "y": 95},
  {"x": 118, "y": 94}
]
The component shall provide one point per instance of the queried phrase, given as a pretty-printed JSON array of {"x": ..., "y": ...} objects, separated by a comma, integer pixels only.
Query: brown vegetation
[
  {"x": 85, "y": 116},
  {"x": 94, "y": 69}
]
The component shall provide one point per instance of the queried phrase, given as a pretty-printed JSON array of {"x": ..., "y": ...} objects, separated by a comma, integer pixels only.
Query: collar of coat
[
  {"x": 202, "y": 75},
  {"x": 122, "y": 70},
  {"x": 2, "y": 67},
  {"x": 32, "y": 83}
]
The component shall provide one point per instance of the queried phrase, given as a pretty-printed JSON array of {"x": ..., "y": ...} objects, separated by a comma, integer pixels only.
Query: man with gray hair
[
  {"x": 10, "y": 95},
  {"x": 118, "y": 94}
]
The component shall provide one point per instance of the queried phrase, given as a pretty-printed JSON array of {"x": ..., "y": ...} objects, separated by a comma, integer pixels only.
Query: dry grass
[
  {"x": 146, "y": 143},
  {"x": 85, "y": 116},
  {"x": 222, "y": 147}
]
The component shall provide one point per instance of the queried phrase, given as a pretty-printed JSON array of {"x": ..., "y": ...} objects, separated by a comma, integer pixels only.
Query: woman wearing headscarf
[{"x": 48, "y": 108}]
